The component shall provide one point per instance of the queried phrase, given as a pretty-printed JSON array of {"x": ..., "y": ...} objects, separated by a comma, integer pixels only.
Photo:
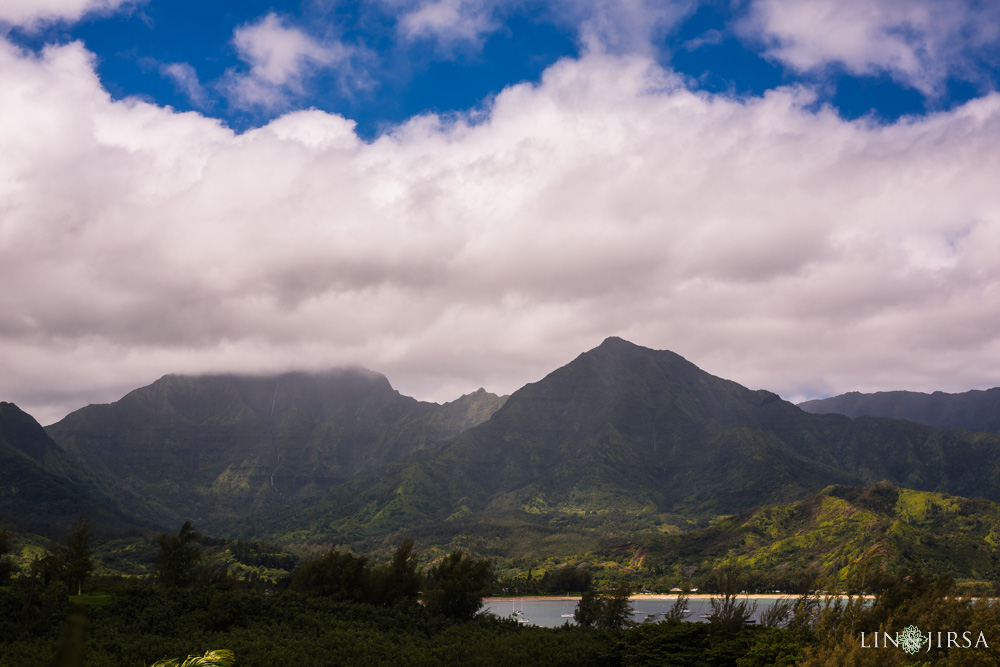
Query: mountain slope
[
  {"x": 972, "y": 410},
  {"x": 209, "y": 447},
  {"x": 646, "y": 434},
  {"x": 40, "y": 492},
  {"x": 847, "y": 532}
]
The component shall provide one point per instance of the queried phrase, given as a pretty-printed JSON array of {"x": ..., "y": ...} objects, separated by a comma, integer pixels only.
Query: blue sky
[
  {"x": 799, "y": 195},
  {"x": 381, "y": 67}
]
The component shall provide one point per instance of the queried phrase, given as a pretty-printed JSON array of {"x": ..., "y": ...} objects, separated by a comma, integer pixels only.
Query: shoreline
[{"x": 663, "y": 596}]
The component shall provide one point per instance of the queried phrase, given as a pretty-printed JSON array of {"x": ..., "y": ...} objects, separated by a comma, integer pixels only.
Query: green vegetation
[
  {"x": 258, "y": 554},
  {"x": 96, "y": 599},
  {"x": 605, "y": 611},
  {"x": 843, "y": 535},
  {"x": 7, "y": 566},
  {"x": 620, "y": 443},
  {"x": 624, "y": 445},
  {"x": 625, "y": 468},
  {"x": 456, "y": 586},
  {"x": 730, "y": 611},
  {"x": 179, "y": 556},
  {"x": 77, "y": 563},
  {"x": 842, "y": 538},
  {"x": 42, "y": 489},
  {"x": 213, "y": 448},
  {"x": 602, "y": 466},
  {"x": 57, "y": 570},
  {"x": 145, "y": 623}
]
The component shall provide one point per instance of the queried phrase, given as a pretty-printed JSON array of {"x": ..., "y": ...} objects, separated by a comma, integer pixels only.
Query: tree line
[{"x": 339, "y": 606}]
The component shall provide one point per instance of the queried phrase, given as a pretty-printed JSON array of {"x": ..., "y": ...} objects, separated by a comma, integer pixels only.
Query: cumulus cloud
[
  {"x": 765, "y": 240},
  {"x": 33, "y": 13},
  {"x": 279, "y": 57},
  {"x": 918, "y": 42}
]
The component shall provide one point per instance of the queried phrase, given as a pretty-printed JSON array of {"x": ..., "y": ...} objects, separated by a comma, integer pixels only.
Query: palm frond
[{"x": 217, "y": 658}]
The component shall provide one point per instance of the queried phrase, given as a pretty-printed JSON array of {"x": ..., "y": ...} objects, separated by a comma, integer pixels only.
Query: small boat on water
[{"x": 518, "y": 614}]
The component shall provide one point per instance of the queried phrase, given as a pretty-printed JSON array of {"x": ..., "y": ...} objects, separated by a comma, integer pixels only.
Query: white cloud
[
  {"x": 918, "y": 42},
  {"x": 616, "y": 26},
  {"x": 33, "y": 13},
  {"x": 185, "y": 78},
  {"x": 628, "y": 26},
  {"x": 449, "y": 21},
  {"x": 280, "y": 57},
  {"x": 768, "y": 242}
]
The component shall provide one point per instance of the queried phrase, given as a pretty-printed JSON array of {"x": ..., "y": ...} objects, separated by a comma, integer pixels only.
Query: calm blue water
[{"x": 548, "y": 613}]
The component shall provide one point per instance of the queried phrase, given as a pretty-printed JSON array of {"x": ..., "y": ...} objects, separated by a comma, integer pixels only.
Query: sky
[{"x": 798, "y": 195}]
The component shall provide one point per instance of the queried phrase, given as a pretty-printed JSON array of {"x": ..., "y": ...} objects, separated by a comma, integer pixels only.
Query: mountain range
[
  {"x": 621, "y": 443},
  {"x": 211, "y": 447},
  {"x": 644, "y": 433},
  {"x": 973, "y": 410}
]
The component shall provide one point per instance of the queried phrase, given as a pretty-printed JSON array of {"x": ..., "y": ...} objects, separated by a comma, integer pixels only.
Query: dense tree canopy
[
  {"x": 397, "y": 580},
  {"x": 457, "y": 585},
  {"x": 569, "y": 579},
  {"x": 179, "y": 556},
  {"x": 350, "y": 578},
  {"x": 337, "y": 575}
]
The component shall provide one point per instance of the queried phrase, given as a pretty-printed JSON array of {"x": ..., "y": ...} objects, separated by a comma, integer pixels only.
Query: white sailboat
[{"x": 518, "y": 614}]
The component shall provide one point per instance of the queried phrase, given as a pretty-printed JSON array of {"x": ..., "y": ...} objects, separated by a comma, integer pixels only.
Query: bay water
[{"x": 548, "y": 612}]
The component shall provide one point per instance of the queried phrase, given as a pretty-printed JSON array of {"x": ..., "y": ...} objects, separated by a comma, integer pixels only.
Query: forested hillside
[
  {"x": 213, "y": 447},
  {"x": 41, "y": 491},
  {"x": 627, "y": 436}
]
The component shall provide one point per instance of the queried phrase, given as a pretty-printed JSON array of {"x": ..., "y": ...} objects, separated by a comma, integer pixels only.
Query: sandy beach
[{"x": 661, "y": 596}]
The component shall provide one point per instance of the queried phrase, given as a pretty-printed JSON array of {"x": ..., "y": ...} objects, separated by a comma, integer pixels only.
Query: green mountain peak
[
  {"x": 214, "y": 446},
  {"x": 624, "y": 430}
]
